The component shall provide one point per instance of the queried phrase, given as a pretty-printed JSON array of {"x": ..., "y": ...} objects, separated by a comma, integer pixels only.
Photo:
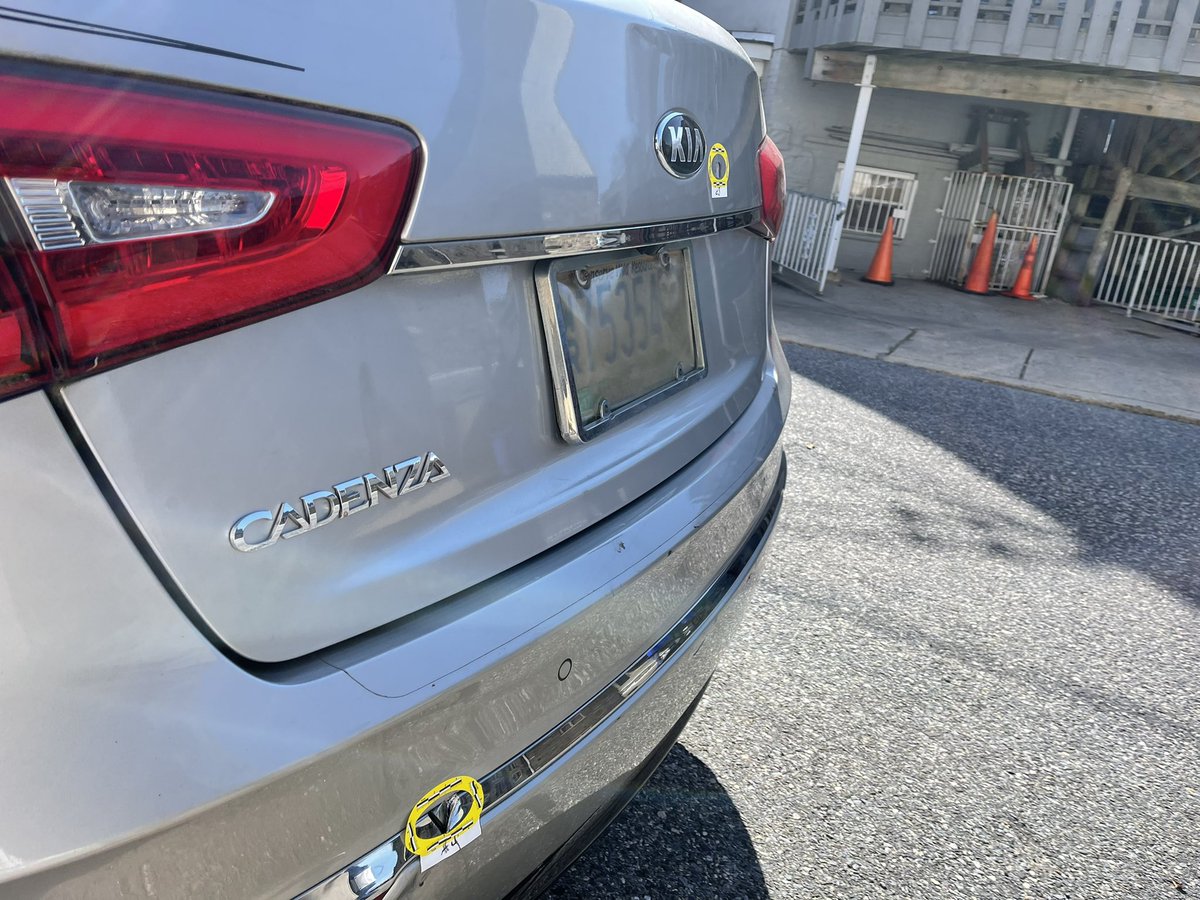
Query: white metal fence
[
  {"x": 1026, "y": 207},
  {"x": 804, "y": 238},
  {"x": 1151, "y": 274}
]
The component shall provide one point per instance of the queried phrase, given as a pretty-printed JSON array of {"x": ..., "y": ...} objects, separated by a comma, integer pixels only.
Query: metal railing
[
  {"x": 803, "y": 240},
  {"x": 1149, "y": 274}
]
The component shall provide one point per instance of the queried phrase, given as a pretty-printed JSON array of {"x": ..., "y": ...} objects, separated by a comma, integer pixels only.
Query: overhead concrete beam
[{"x": 1026, "y": 84}]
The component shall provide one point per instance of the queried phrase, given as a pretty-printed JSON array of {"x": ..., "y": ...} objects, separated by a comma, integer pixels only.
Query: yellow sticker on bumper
[
  {"x": 445, "y": 820},
  {"x": 718, "y": 171}
]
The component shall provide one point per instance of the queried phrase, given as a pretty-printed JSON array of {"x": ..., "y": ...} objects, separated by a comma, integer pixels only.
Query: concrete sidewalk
[{"x": 1094, "y": 354}]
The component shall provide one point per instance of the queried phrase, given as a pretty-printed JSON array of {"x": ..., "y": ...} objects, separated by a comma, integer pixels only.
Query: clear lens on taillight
[
  {"x": 158, "y": 215},
  {"x": 774, "y": 187},
  {"x": 125, "y": 212}
]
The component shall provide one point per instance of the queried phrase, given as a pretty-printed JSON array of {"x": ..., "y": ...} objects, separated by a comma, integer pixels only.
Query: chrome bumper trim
[
  {"x": 434, "y": 255},
  {"x": 369, "y": 877}
]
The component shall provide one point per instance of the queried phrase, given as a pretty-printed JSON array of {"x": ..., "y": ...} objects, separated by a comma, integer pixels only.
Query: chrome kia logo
[{"x": 680, "y": 144}]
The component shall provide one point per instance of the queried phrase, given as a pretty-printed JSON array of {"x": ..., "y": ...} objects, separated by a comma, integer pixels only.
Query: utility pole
[{"x": 859, "y": 125}]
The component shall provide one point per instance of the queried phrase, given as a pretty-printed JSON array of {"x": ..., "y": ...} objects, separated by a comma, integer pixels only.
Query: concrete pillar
[{"x": 1095, "y": 260}]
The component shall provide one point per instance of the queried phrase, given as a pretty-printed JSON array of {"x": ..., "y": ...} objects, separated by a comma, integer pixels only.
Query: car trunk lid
[{"x": 405, "y": 433}]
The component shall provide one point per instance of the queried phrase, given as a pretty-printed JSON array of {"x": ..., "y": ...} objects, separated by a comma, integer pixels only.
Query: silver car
[{"x": 478, "y": 291}]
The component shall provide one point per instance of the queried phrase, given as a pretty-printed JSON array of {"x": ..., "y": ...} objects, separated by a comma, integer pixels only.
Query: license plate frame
[{"x": 580, "y": 418}]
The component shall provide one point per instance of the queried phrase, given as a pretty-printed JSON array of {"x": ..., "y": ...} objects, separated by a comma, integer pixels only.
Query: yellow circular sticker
[
  {"x": 718, "y": 171},
  {"x": 443, "y": 814}
]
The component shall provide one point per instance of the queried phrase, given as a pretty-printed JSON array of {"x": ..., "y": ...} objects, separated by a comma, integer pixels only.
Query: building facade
[{"x": 1075, "y": 120}]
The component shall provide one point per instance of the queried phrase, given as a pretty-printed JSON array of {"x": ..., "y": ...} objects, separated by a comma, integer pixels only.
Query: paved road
[{"x": 972, "y": 669}]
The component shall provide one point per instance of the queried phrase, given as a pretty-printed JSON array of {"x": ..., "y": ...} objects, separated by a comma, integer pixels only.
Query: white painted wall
[{"x": 799, "y": 111}]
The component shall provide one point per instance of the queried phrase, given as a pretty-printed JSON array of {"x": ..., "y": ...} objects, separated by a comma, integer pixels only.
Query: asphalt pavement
[{"x": 970, "y": 669}]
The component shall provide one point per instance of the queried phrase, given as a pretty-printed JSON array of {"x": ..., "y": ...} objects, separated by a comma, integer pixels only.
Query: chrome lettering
[
  {"x": 348, "y": 492},
  {"x": 322, "y": 507},
  {"x": 679, "y": 143},
  {"x": 376, "y": 486},
  {"x": 237, "y": 533},
  {"x": 435, "y": 469},
  {"x": 403, "y": 474},
  {"x": 309, "y": 504},
  {"x": 284, "y": 516},
  {"x": 676, "y": 142},
  {"x": 419, "y": 477}
]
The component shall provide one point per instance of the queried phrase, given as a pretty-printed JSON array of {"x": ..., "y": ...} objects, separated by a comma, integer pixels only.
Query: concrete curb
[
  {"x": 1091, "y": 355},
  {"x": 1060, "y": 393}
]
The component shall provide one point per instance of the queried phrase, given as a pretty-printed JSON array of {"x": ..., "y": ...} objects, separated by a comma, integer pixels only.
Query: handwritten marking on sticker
[
  {"x": 447, "y": 850},
  {"x": 445, "y": 820},
  {"x": 718, "y": 171}
]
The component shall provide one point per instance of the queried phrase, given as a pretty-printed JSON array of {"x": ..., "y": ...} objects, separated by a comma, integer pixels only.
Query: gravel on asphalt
[{"x": 970, "y": 668}]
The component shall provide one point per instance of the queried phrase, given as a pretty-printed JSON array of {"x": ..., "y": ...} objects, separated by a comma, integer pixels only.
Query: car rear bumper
[
  {"x": 545, "y": 804},
  {"x": 176, "y": 772}
]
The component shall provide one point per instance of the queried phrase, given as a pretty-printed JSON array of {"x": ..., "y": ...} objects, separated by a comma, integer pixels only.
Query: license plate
[{"x": 622, "y": 332}]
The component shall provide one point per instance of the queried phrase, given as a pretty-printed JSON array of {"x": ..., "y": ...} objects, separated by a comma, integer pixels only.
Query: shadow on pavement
[
  {"x": 1129, "y": 495},
  {"x": 680, "y": 837}
]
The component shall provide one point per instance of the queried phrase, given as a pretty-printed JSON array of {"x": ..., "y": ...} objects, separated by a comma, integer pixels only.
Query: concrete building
[{"x": 1075, "y": 120}]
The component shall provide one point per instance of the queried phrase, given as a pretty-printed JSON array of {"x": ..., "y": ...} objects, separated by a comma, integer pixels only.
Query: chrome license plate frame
[{"x": 670, "y": 302}]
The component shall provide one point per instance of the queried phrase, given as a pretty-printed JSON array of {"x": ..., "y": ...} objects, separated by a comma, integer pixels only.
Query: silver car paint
[
  {"x": 168, "y": 757},
  {"x": 539, "y": 116},
  {"x": 451, "y": 362},
  {"x": 140, "y": 760}
]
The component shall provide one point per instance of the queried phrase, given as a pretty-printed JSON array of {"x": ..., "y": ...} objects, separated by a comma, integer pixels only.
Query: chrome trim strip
[
  {"x": 434, "y": 255},
  {"x": 370, "y": 876}
]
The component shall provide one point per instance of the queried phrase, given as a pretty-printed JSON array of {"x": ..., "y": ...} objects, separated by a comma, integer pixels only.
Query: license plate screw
[
  {"x": 602, "y": 409},
  {"x": 664, "y": 257},
  {"x": 583, "y": 278},
  {"x": 678, "y": 371}
]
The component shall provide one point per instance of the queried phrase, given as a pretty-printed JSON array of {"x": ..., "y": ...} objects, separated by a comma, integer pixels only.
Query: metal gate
[
  {"x": 1150, "y": 274},
  {"x": 1026, "y": 207},
  {"x": 803, "y": 240}
]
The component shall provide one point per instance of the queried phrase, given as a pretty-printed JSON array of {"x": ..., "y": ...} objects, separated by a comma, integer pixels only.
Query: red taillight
[
  {"x": 158, "y": 215},
  {"x": 20, "y": 359},
  {"x": 774, "y": 187}
]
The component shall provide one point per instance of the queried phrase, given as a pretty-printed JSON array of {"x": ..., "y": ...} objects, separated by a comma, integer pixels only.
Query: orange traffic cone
[
  {"x": 1022, "y": 288},
  {"x": 880, "y": 271},
  {"x": 980, "y": 272}
]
